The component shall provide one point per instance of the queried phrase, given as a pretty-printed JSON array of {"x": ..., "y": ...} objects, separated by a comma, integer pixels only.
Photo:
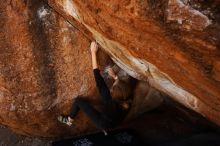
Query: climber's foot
[{"x": 65, "y": 120}]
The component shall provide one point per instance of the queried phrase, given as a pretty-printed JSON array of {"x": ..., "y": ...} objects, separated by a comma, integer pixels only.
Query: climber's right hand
[{"x": 94, "y": 47}]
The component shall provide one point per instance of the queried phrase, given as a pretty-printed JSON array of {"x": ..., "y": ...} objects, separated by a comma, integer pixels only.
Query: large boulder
[
  {"x": 172, "y": 44},
  {"x": 44, "y": 64}
]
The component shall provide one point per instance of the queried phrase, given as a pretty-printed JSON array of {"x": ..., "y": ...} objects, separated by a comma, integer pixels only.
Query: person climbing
[{"x": 115, "y": 107}]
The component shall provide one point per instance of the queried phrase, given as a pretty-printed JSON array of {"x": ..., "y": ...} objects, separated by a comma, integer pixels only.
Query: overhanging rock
[{"x": 172, "y": 44}]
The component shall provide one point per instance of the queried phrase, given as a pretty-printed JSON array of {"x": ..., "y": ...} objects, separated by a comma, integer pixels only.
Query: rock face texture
[
  {"x": 172, "y": 44},
  {"x": 39, "y": 55},
  {"x": 45, "y": 62},
  {"x": 44, "y": 65}
]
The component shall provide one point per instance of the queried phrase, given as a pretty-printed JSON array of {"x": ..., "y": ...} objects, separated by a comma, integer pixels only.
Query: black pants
[{"x": 98, "y": 118}]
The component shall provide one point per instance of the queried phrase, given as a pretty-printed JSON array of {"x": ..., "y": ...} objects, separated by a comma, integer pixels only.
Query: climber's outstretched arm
[{"x": 100, "y": 83}]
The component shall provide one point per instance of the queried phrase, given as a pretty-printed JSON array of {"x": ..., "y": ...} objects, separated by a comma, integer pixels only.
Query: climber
[{"x": 115, "y": 107}]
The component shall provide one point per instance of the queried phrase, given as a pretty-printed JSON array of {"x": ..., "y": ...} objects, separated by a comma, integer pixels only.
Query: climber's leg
[{"x": 97, "y": 118}]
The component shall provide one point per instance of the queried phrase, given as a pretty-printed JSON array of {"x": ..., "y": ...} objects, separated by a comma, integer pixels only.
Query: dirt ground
[{"x": 9, "y": 138}]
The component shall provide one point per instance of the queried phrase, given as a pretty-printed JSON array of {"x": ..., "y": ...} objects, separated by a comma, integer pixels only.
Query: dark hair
[{"x": 121, "y": 90}]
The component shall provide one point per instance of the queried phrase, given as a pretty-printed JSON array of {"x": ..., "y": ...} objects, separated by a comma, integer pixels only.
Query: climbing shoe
[{"x": 64, "y": 120}]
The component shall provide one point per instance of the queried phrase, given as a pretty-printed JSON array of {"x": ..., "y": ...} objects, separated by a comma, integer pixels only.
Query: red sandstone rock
[
  {"x": 44, "y": 64},
  {"x": 173, "y": 44}
]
